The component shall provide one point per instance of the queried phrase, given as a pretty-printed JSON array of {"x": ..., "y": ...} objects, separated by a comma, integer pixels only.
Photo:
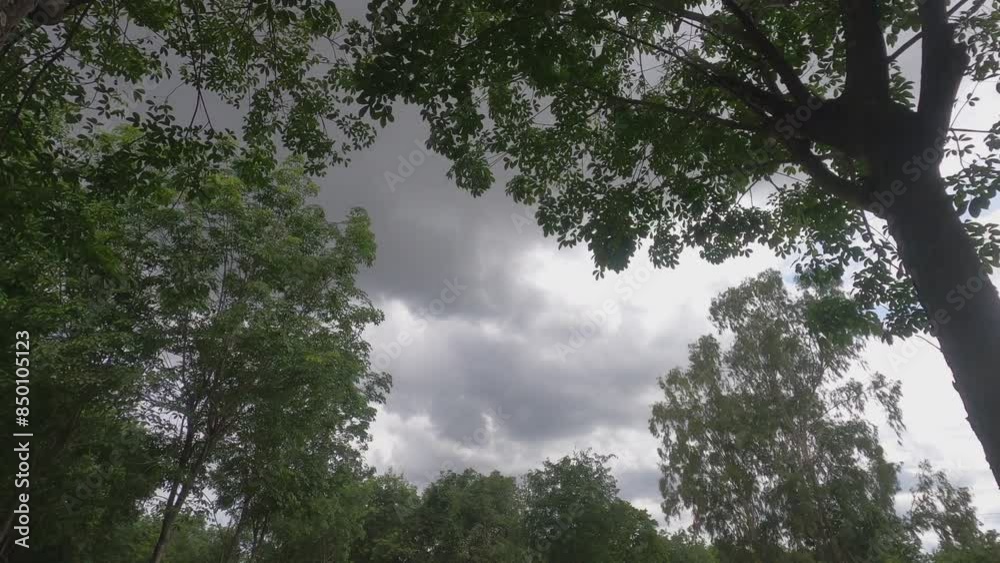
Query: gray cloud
[
  {"x": 484, "y": 382},
  {"x": 510, "y": 341}
]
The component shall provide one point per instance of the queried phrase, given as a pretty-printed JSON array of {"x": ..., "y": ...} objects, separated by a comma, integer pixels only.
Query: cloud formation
[{"x": 506, "y": 351}]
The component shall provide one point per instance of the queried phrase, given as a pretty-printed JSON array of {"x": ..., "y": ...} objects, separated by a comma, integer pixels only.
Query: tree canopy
[
  {"x": 201, "y": 384},
  {"x": 727, "y": 126},
  {"x": 167, "y": 67},
  {"x": 187, "y": 342},
  {"x": 767, "y": 441}
]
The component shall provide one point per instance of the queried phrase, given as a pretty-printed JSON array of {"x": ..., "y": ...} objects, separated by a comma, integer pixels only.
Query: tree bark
[
  {"x": 961, "y": 303},
  {"x": 179, "y": 491},
  {"x": 170, "y": 514},
  {"x": 231, "y": 551}
]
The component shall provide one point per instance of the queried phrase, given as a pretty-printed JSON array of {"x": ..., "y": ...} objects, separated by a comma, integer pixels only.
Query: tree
[
  {"x": 631, "y": 535},
  {"x": 634, "y": 121},
  {"x": 108, "y": 62},
  {"x": 18, "y": 12},
  {"x": 76, "y": 196},
  {"x": 465, "y": 517},
  {"x": 290, "y": 479},
  {"x": 765, "y": 442},
  {"x": 573, "y": 513},
  {"x": 685, "y": 548},
  {"x": 388, "y": 522},
  {"x": 946, "y": 510},
  {"x": 262, "y": 371},
  {"x": 321, "y": 523},
  {"x": 67, "y": 262}
]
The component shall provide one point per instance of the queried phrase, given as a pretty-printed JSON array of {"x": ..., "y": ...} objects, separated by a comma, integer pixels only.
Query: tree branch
[
  {"x": 909, "y": 43},
  {"x": 758, "y": 99},
  {"x": 825, "y": 178},
  {"x": 825, "y": 124},
  {"x": 867, "y": 64},
  {"x": 943, "y": 63},
  {"x": 760, "y": 43},
  {"x": 654, "y": 105},
  {"x": 14, "y": 116}
]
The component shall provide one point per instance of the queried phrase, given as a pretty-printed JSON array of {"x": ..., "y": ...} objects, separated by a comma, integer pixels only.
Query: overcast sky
[
  {"x": 503, "y": 353},
  {"x": 505, "y": 350}
]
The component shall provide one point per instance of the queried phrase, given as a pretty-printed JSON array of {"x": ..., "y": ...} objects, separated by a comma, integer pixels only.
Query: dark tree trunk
[
  {"x": 231, "y": 552},
  {"x": 961, "y": 303},
  {"x": 170, "y": 514},
  {"x": 179, "y": 491}
]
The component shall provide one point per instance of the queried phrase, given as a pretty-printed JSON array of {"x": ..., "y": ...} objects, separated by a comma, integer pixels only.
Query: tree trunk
[
  {"x": 961, "y": 303},
  {"x": 231, "y": 552},
  {"x": 179, "y": 491},
  {"x": 170, "y": 513}
]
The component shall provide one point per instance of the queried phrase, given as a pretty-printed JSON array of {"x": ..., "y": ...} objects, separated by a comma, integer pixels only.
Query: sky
[{"x": 506, "y": 351}]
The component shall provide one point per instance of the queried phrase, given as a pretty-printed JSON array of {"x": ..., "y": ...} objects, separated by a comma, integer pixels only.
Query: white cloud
[{"x": 496, "y": 346}]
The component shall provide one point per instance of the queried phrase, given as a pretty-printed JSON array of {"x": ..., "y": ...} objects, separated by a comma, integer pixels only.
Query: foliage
[
  {"x": 324, "y": 525},
  {"x": 631, "y": 123},
  {"x": 729, "y": 126},
  {"x": 197, "y": 330},
  {"x": 388, "y": 530},
  {"x": 573, "y": 513},
  {"x": 469, "y": 517},
  {"x": 984, "y": 552},
  {"x": 682, "y": 547},
  {"x": 118, "y": 277},
  {"x": 66, "y": 261},
  {"x": 764, "y": 439},
  {"x": 264, "y": 373},
  {"x": 275, "y": 64},
  {"x": 947, "y": 511}
]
